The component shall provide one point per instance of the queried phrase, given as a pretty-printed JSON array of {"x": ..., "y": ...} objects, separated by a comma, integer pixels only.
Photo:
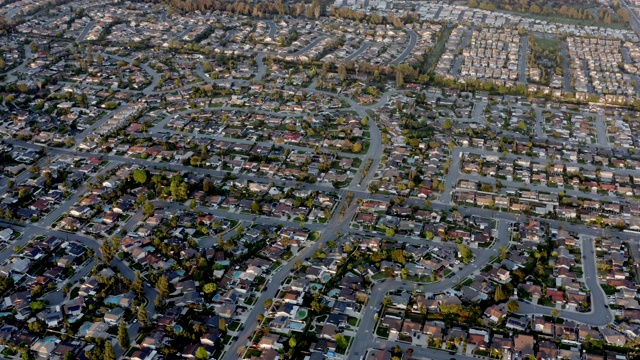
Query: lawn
[
  {"x": 352, "y": 321},
  {"x": 547, "y": 44},
  {"x": 234, "y": 326},
  {"x": 382, "y": 332}
]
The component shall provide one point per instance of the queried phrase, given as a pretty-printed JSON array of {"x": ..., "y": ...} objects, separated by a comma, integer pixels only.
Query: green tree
[
  {"x": 503, "y": 252},
  {"x": 148, "y": 208},
  {"x": 107, "y": 251},
  {"x": 341, "y": 341},
  {"x": 163, "y": 286},
  {"x": 465, "y": 253},
  {"x": 255, "y": 207},
  {"x": 142, "y": 316},
  {"x": 447, "y": 124},
  {"x": 140, "y": 176},
  {"x": 209, "y": 288},
  {"x": 267, "y": 303},
  {"x": 108, "y": 353},
  {"x": 137, "y": 286},
  {"x": 123, "y": 335},
  {"x": 500, "y": 295},
  {"x": 398, "y": 256},
  {"x": 292, "y": 342},
  {"x": 513, "y": 306},
  {"x": 202, "y": 353}
]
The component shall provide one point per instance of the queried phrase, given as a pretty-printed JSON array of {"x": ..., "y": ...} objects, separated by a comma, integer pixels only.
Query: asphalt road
[
  {"x": 522, "y": 63},
  {"x": 155, "y": 77},
  {"x": 566, "y": 70},
  {"x": 9, "y": 75},
  {"x": 337, "y": 223},
  {"x": 48, "y": 220},
  {"x": 635, "y": 22},
  {"x": 599, "y": 314},
  {"x": 85, "y": 31},
  {"x": 273, "y": 28},
  {"x": 365, "y": 45},
  {"x": 79, "y": 137},
  {"x": 363, "y": 341},
  {"x": 413, "y": 39},
  {"x": 262, "y": 70},
  {"x": 601, "y": 128}
]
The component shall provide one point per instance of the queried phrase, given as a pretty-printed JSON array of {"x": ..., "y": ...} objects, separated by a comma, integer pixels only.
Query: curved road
[
  {"x": 365, "y": 45},
  {"x": 272, "y": 28},
  {"x": 413, "y": 39}
]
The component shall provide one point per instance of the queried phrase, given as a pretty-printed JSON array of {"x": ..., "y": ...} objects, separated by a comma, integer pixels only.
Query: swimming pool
[
  {"x": 295, "y": 326},
  {"x": 84, "y": 328},
  {"x": 113, "y": 299}
]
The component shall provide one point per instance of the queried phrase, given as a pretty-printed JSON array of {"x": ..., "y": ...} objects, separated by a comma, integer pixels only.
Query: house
[
  {"x": 328, "y": 332},
  {"x": 391, "y": 322},
  {"x": 613, "y": 337},
  {"x": 523, "y": 345},
  {"x": 113, "y": 316},
  {"x": 269, "y": 341},
  {"x": 494, "y": 313}
]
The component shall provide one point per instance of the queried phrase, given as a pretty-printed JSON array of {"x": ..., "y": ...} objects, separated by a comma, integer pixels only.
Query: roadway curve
[{"x": 413, "y": 39}]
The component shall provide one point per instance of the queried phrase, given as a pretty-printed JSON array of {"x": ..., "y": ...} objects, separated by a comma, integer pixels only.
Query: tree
[
  {"x": 163, "y": 286},
  {"x": 202, "y": 353},
  {"x": 260, "y": 318},
  {"x": 193, "y": 204},
  {"x": 447, "y": 124},
  {"x": 465, "y": 253},
  {"x": 398, "y": 256},
  {"x": 399, "y": 79},
  {"x": 513, "y": 306},
  {"x": 503, "y": 252},
  {"x": 341, "y": 341},
  {"x": 500, "y": 295},
  {"x": 241, "y": 351},
  {"x": 108, "y": 352},
  {"x": 555, "y": 313},
  {"x": 148, "y": 208},
  {"x": 142, "y": 316},
  {"x": 356, "y": 147},
  {"x": 137, "y": 286},
  {"x": 107, "y": 251},
  {"x": 292, "y": 342},
  {"x": 404, "y": 273},
  {"x": 255, "y": 207},
  {"x": 123, "y": 335},
  {"x": 209, "y": 288},
  {"x": 267, "y": 303},
  {"x": 387, "y": 301}
]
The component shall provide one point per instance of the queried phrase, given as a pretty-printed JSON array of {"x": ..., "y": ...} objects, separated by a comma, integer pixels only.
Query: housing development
[{"x": 327, "y": 180}]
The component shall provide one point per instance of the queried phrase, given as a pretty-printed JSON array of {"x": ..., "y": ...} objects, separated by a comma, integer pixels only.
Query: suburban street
[{"x": 413, "y": 38}]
